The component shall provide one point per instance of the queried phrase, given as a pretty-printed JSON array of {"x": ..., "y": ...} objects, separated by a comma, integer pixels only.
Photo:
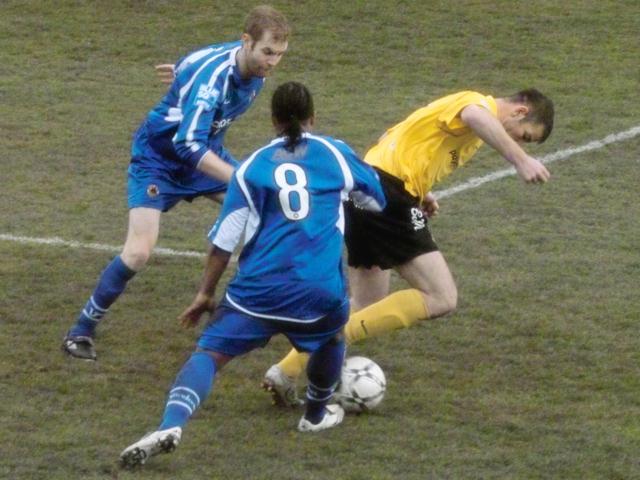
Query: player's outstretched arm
[
  {"x": 217, "y": 262},
  {"x": 166, "y": 72},
  {"x": 489, "y": 129}
]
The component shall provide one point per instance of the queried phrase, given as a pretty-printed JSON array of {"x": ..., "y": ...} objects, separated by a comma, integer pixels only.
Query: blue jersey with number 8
[{"x": 288, "y": 206}]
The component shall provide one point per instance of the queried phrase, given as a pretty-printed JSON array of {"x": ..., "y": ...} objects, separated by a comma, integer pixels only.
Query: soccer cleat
[
  {"x": 79, "y": 346},
  {"x": 332, "y": 417},
  {"x": 282, "y": 388},
  {"x": 162, "y": 441}
]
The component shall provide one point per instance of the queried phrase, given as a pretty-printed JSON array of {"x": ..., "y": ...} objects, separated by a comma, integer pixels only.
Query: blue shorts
[
  {"x": 147, "y": 187},
  {"x": 234, "y": 333}
]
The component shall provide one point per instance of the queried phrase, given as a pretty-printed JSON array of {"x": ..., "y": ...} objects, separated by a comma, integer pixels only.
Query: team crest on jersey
[
  {"x": 207, "y": 96},
  {"x": 153, "y": 190}
]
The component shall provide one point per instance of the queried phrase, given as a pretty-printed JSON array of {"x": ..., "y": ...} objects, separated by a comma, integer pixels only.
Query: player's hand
[
  {"x": 430, "y": 205},
  {"x": 191, "y": 316},
  {"x": 166, "y": 72},
  {"x": 532, "y": 170}
]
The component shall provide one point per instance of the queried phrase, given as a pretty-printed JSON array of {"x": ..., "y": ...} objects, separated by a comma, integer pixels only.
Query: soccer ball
[{"x": 362, "y": 385}]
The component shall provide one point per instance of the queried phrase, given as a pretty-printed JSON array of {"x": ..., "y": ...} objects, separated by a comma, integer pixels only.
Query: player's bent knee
[
  {"x": 220, "y": 359},
  {"x": 450, "y": 301},
  {"x": 442, "y": 303},
  {"x": 136, "y": 258}
]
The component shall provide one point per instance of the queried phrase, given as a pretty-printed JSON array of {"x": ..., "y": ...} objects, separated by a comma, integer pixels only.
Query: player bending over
[
  {"x": 411, "y": 157},
  {"x": 287, "y": 198}
]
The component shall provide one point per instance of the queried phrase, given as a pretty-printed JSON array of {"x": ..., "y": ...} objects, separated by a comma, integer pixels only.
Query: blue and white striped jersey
[
  {"x": 289, "y": 206},
  {"x": 205, "y": 97}
]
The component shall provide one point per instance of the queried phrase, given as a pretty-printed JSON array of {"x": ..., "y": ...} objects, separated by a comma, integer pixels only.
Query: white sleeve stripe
[
  {"x": 212, "y": 81},
  {"x": 342, "y": 162},
  {"x": 196, "y": 117},
  {"x": 194, "y": 57},
  {"x": 253, "y": 220},
  {"x": 187, "y": 86},
  {"x": 192, "y": 127},
  {"x": 225, "y": 88},
  {"x": 362, "y": 199},
  {"x": 241, "y": 181},
  {"x": 346, "y": 172}
]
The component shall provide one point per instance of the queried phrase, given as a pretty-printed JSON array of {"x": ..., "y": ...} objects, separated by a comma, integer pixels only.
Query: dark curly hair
[{"x": 291, "y": 106}]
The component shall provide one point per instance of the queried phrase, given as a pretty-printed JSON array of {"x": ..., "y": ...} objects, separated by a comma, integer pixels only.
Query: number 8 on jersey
[{"x": 294, "y": 198}]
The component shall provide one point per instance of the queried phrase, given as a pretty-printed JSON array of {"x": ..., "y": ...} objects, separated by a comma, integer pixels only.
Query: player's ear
[
  {"x": 520, "y": 111},
  {"x": 247, "y": 41}
]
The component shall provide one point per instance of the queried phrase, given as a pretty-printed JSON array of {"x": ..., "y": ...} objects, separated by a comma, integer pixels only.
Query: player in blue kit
[
  {"x": 178, "y": 153},
  {"x": 286, "y": 200}
]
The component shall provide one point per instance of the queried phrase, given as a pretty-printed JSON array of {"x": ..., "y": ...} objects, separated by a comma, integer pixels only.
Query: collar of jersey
[{"x": 235, "y": 71}]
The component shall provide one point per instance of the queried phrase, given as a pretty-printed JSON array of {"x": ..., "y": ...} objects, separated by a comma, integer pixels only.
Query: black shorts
[{"x": 389, "y": 238}]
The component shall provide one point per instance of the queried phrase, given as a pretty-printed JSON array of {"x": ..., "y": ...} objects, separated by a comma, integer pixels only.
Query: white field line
[
  {"x": 552, "y": 157},
  {"x": 93, "y": 246},
  {"x": 440, "y": 194}
]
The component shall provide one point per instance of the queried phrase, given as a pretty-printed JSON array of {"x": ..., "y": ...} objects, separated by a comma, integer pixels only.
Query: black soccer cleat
[{"x": 79, "y": 346}]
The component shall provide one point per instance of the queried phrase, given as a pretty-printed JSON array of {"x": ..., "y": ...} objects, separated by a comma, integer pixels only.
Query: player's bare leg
[
  {"x": 430, "y": 274},
  {"x": 434, "y": 294},
  {"x": 367, "y": 286},
  {"x": 142, "y": 235}
]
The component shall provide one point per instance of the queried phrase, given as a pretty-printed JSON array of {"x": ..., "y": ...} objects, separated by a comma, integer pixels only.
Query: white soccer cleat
[
  {"x": 162, "y": 441},
  {"x": 332, "y": 417},
  {"x": 282, "y": 387}
]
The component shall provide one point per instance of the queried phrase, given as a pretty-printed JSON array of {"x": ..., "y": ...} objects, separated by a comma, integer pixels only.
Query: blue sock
[
  {"x": 111, "y": 284},
  {"x": 192, "y": 385},
  {"x": 323, "y": 370}
]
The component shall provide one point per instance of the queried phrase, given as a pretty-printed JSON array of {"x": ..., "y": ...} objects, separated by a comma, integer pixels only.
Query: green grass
[{"x": 536, "y": 374}]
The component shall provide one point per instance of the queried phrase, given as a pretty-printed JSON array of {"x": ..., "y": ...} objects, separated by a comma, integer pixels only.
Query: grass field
[{"x": 535, "y": 376}]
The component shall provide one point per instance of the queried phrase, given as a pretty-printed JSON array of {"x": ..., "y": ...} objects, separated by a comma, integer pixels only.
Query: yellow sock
[
  {"x": 398, "y": 310},
  {"x": 294, "y": 363}
]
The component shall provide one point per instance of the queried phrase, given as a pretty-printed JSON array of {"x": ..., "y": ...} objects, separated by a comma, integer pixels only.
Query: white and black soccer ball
[{"x": 362, "y": 385}]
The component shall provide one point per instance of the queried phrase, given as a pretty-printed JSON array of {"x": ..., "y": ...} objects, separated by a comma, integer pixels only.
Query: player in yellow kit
[{"x": 410, "y": 158}]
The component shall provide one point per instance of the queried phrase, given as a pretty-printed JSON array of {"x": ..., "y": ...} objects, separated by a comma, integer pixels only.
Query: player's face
[
  {"x": 263, "y": 55},
  {"x": 523, "y": 131}
]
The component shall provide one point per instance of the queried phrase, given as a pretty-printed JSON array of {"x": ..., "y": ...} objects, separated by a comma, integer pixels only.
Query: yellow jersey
[{"x": 430, "y": 143}]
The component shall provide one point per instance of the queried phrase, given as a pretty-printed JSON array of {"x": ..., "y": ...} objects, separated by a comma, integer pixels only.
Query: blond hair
[{"x": 265, "y": 17}]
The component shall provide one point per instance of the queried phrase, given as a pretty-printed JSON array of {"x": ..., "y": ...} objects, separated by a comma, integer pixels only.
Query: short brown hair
[
  {"x": 265, "y": 17},
  {"x": 540, "y": 109}
]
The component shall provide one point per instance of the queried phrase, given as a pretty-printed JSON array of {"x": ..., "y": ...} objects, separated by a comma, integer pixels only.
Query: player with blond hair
[{"x": 178, "y": 153}]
